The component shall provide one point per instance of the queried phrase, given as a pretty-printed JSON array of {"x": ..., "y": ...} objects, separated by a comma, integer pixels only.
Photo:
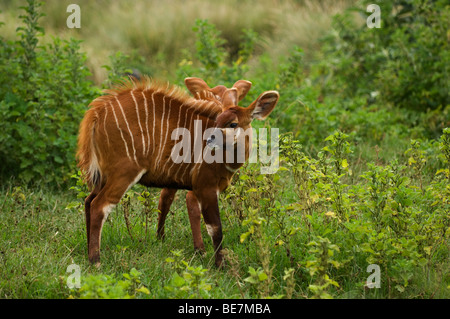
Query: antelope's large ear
[
  {"x": 264, "y": 105},
  {"x": 218, "y": 91},
  {"x": 196, "y": 85},
  {"x": 230, "y": 97},
  {"x": 242, "y": 87}
]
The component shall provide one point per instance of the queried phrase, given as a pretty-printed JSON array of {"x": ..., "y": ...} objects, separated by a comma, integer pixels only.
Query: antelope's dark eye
[{"x": 233, "y": 125}]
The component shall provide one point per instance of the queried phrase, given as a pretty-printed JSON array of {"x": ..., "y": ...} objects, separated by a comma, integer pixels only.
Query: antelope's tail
[{"x": 86, "y": 156}]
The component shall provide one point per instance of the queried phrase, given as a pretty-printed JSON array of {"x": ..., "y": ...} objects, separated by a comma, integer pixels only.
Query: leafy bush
[
  {"x": 187, "y": 281},
  {"x": 44, "y": 91},
  {"x": 308, "y": 231},
  {"x": 331, "y": 223},
  {"x": 214, "y": 63},
  {"x": 403, "y": 63},
  {"x": 108, "y": 287}
]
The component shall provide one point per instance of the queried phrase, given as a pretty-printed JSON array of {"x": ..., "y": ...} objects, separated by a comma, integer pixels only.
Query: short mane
[{"x": 213, "y": 108}]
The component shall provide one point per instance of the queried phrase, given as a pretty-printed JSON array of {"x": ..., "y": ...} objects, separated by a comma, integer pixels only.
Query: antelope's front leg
[
  {"x": 211, "y": 215},
  {"x": 165, "y": 201},
  {"x": 194, "y": 212}
]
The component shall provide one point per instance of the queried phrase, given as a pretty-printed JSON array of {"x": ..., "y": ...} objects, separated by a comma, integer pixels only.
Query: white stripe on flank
[
  {"x": 178, "y": 125},
  {"x": 154, "y": 123},
  {"x": 167, "y": 130},
  {"x": 232, "y": 170},
  {"x": 139, "y": 121},
  {"x": 181, "y": 164},
  {"x": 195, "y": 168},
  {"x": 213, "y": 107},
  {"x": 120, "y": 130},
  {"x": 129, "y": 130},
  {"x": 136, "y": 179},
  {"x": 104, "y": 125},
  {"x": 146, "y": 122},
  {"x": 191, "y": 122},
  {"x": 171, "y": 93},
  {"x": 160, "y": 133},
  {"x": 109, "y": 207},
  {"x": 206, "y": 106},
  {"x": 94, "y": 167}
]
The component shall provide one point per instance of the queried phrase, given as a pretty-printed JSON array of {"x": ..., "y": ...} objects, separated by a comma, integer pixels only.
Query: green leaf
[
  {"x": 72, "y": 205},
  {"x": 135, "y": 273},
  {"x": 127, "y": 276},
  {"x": 177, "y": 280},
  {"x": 262, "y": 276},
  {"x": 144, "y": 290},
  {"x": 245, "y": 235}
]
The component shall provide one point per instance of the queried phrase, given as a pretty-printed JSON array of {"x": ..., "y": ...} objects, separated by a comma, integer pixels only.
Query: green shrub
[
  {"x": 109, "y": 287},
  {"x": 403, "y": 63},
  {"x": 211, "y": 60},
  {"x": 44, "y": 92}
]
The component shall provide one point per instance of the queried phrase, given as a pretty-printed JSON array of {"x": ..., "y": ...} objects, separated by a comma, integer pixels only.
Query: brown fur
[{"x": 125, "y": 138}]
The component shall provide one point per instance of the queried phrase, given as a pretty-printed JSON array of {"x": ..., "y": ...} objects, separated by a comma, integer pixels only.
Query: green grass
[
  {"x": 366, "y": 183},
  {"x": 40, "y": 238},
  {"x": 158, "y": 34}
]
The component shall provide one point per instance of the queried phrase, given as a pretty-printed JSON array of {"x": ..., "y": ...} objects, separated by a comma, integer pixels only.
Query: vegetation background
[{"x": 365, "y": 149}]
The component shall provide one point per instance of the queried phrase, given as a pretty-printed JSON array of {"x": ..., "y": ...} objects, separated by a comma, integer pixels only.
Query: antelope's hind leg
[
  {"x": 87, "y": 211},
  {"x": 165, "y": 201},
  {"x": 194, "y": 212},
  {"x": 103, "y": 203}
]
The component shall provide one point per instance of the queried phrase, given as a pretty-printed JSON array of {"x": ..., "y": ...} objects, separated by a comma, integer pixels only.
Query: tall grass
[{"x": 158, "y": 33}]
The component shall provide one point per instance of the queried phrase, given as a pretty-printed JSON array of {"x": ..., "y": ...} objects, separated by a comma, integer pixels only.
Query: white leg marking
[
  {"x": 107, "y": 209},
  {"x": 120, "y": 130},
  {"x": 211, "y": 230},
  {"x": 139, "y": 121},
  {"x": 129, "y": 130}
]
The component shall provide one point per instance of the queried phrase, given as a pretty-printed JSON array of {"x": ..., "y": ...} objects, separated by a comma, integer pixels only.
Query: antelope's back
[{"x": 134, "y": 126}]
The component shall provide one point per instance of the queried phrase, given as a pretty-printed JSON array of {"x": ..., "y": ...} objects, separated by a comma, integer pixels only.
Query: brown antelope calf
[{"x": 126, "y": 138}]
